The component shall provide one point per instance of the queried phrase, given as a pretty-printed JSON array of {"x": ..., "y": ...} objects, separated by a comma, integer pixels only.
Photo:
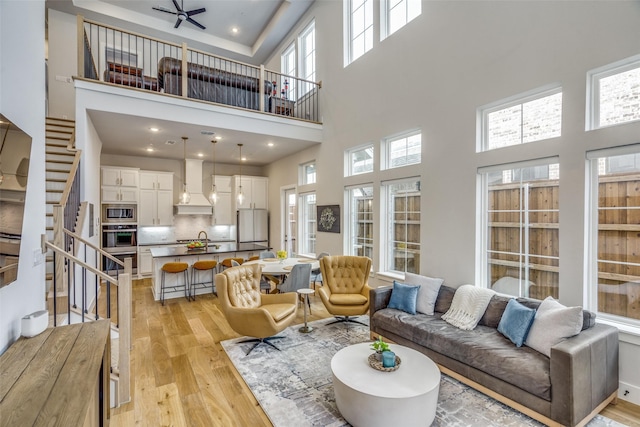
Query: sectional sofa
[{"x": 568, "y": 388}]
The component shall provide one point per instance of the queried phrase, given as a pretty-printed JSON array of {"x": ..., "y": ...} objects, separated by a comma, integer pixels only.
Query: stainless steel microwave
[{"x": 113, "y": 214}]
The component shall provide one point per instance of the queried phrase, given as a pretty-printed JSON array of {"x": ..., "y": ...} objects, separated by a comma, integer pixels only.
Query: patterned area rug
[{"x": 293, "y": 386}]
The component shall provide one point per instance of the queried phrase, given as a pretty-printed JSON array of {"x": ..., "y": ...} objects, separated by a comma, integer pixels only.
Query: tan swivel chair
[
  {"x": 250, "y": 312},
  {"x": 346, "y": 291}
]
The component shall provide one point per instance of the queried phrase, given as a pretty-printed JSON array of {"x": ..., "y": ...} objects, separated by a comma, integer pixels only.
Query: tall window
[
  {"x": 360, "y": 29},
  {"x": 288, "y": 64},
  {"x": 308, "y": 57},
  {"x": 308, "y": 173},
  {"x": 520, "y": 247},
  {"x": 401, "y": 209},
  {"x": 614, "y": 279},
  {"x": 307, "y": 235},
  {"x": 614, "y": 93},
  {"x": 403, "y": 150},
  {"x": 397, "y": 13},
  {"x": 527, "y": 118},
  {"x": 359, "y": 160},
  {"x": 360, "y": 228}
]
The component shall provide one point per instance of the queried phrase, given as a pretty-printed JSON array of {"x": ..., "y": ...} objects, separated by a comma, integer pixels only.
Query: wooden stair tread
[
  {"x": 59, "y": 138},
  {"x": 57, "y": 170},
  {"x": 57, "y": 119},
  {"x": 60, "y": 153}
]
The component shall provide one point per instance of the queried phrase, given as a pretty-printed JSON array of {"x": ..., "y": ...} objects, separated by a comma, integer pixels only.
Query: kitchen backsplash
[{"x": 186, "y": 227}]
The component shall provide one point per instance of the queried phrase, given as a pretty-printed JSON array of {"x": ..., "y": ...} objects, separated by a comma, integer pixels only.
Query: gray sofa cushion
[{"x": 483, "y": 348}]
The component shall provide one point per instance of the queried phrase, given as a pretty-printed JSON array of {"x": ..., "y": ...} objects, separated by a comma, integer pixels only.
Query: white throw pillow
[
  {"x": 553, "y": 323},
  {"x": 428, "y": 292}
]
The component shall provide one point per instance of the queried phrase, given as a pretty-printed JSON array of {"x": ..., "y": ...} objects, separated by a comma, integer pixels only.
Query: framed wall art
[{"x": 328, "y": 218}]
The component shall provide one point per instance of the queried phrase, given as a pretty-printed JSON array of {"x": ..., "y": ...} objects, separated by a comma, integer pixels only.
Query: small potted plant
[{"x": 379, "y": 346}]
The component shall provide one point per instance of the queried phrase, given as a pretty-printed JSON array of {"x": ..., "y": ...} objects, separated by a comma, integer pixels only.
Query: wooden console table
[
  {"x": 57, "y": 378},
  {"x": 281, "y": 106}
]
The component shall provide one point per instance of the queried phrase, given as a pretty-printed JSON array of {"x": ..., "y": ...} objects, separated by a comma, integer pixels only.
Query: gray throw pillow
[
  {"x": 553, "y": 323},
  {"x": 428, "y": 292}
]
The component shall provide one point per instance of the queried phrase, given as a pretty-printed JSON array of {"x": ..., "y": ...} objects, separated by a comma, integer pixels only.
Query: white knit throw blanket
[{"x": 468, "y": 305}]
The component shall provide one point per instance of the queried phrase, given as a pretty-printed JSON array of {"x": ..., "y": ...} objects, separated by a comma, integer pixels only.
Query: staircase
[
  {"x": 60, "y": 152},
  {"x": 74, "y": 285}
]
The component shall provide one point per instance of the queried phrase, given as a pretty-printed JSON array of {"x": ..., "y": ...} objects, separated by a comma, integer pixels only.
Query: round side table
[{"x": 305, "y": 292}]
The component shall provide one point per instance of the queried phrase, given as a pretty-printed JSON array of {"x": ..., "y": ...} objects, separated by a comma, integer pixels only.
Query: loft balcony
[{"x": 123, "y": 59}]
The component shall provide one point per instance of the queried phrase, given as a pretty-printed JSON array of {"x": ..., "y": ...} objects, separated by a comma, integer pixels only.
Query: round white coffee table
[{"x": 368, "y": 397}]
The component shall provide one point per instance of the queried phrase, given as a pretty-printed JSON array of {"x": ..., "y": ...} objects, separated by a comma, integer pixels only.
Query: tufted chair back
[
  {"x": 243, "y": 286},
  {"x": 345, "y": 274},
  {"x": 247, "y": 310}
]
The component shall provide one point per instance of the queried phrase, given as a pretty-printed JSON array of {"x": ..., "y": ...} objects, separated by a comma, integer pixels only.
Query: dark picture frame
[{"x": 328, "y": 218}]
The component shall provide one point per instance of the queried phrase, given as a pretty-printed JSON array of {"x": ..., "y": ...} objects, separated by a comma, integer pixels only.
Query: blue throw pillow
[
  {"x": 403, "y": 297},
  {"x": 516, "y": 322}
]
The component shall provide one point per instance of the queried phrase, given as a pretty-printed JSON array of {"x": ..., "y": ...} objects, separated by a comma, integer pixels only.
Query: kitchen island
[{"x": 217, "y": 252}]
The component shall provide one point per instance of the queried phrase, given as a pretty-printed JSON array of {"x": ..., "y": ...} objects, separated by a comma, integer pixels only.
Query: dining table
[{"x": 277, "y": 267}]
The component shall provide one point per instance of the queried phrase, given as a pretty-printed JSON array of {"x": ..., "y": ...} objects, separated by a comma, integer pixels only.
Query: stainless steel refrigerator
[{"x": 253, "y": 226}]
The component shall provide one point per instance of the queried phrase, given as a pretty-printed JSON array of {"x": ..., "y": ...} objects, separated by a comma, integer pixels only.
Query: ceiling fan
[{"x": 183, "y": 15}]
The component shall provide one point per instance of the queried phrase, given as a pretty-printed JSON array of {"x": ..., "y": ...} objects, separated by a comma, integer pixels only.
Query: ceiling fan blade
[
  {"x": 178, "y": 22},
  {"x": 161, "y": 9},
  {"x": 197, "y": 24},
  {"x": 196, "y": 11},
  {"x": 178, "y": 8}
]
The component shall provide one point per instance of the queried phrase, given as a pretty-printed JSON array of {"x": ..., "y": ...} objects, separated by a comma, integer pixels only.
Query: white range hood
[{"x": 199, "y": 204}]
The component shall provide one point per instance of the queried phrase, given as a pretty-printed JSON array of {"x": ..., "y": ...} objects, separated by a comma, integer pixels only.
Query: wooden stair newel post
[
  {"x": 58, "y": 240},
  {"x": 124, "y": 327}
]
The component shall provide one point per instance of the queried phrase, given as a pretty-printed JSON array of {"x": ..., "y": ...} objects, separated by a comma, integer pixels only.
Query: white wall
[
  {"x": 433, "y": 74},
  {"x": 22, "y": 100}
]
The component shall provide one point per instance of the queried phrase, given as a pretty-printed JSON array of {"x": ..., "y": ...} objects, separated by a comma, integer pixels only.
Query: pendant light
[
  {"x": 213, "y": 195},
  {"x": 185, "y": 197},
  {"x": 240, "y": 193}
]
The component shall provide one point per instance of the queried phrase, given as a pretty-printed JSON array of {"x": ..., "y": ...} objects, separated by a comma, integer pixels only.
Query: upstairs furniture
[
  {"x": 129, "y": 76},
  {"x": 250, "y": 312},
  {"x": 345, "y": 290},
  {"x": 59, "y": 377},
  {"x": 211, "y": 84}
]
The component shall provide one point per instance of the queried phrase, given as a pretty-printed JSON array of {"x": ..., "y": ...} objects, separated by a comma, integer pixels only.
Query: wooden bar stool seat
[
  {"x": 226, "y": 263},
  {"x": 202, "y": 266},
  {"x": 175, "y": 268}
]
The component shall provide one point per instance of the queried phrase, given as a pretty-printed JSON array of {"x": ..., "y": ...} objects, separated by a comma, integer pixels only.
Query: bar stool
[
  {"x": 201, "y": 266},
  {"x": 226, "y": 263},
  {"x": 175, "y": 268}
]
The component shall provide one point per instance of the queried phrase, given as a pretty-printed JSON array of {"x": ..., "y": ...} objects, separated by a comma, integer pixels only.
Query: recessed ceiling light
[
  {"x": 154, "y": 129},
  {"x": 150, "y": 149},
  {"x": 218, "y": 138},
  {"x": 200, "y": 155},
  {"x": 270, "y": 144},
  {"x": 244, "y": 159},
  {"x": 234, "y": 30}
]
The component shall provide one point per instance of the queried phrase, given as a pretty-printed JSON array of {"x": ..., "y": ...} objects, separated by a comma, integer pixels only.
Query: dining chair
[
  {"x": 267, "y": 279},
  {"x": 297, "y": 279},
  {"x": 317, "y": 274},
  {"x": 267, "y": 254}
]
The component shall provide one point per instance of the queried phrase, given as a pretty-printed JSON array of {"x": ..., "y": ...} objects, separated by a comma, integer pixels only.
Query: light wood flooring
[{"x": 181, "y": 376}]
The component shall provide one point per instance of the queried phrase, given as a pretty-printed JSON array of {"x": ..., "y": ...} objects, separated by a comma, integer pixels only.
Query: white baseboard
[{"x": 632, "y": 393}]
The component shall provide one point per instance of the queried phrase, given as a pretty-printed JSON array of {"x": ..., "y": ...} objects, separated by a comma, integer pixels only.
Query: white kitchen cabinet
[
  {"x": 255, "y": 190},
  {"x": 119, "y": 194},
  {"x": 156, "y": 199},
  {"x": 119, "y": 185},
  {"x": 121, "y": 177},
  {"x": 145, "y": 261},
  {"x": 224, "y": 208},
  {"x": 156, "y": 180}
]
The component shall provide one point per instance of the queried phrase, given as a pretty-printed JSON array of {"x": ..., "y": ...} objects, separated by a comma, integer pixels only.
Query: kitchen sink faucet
[{"x": 206, "y": 238}]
